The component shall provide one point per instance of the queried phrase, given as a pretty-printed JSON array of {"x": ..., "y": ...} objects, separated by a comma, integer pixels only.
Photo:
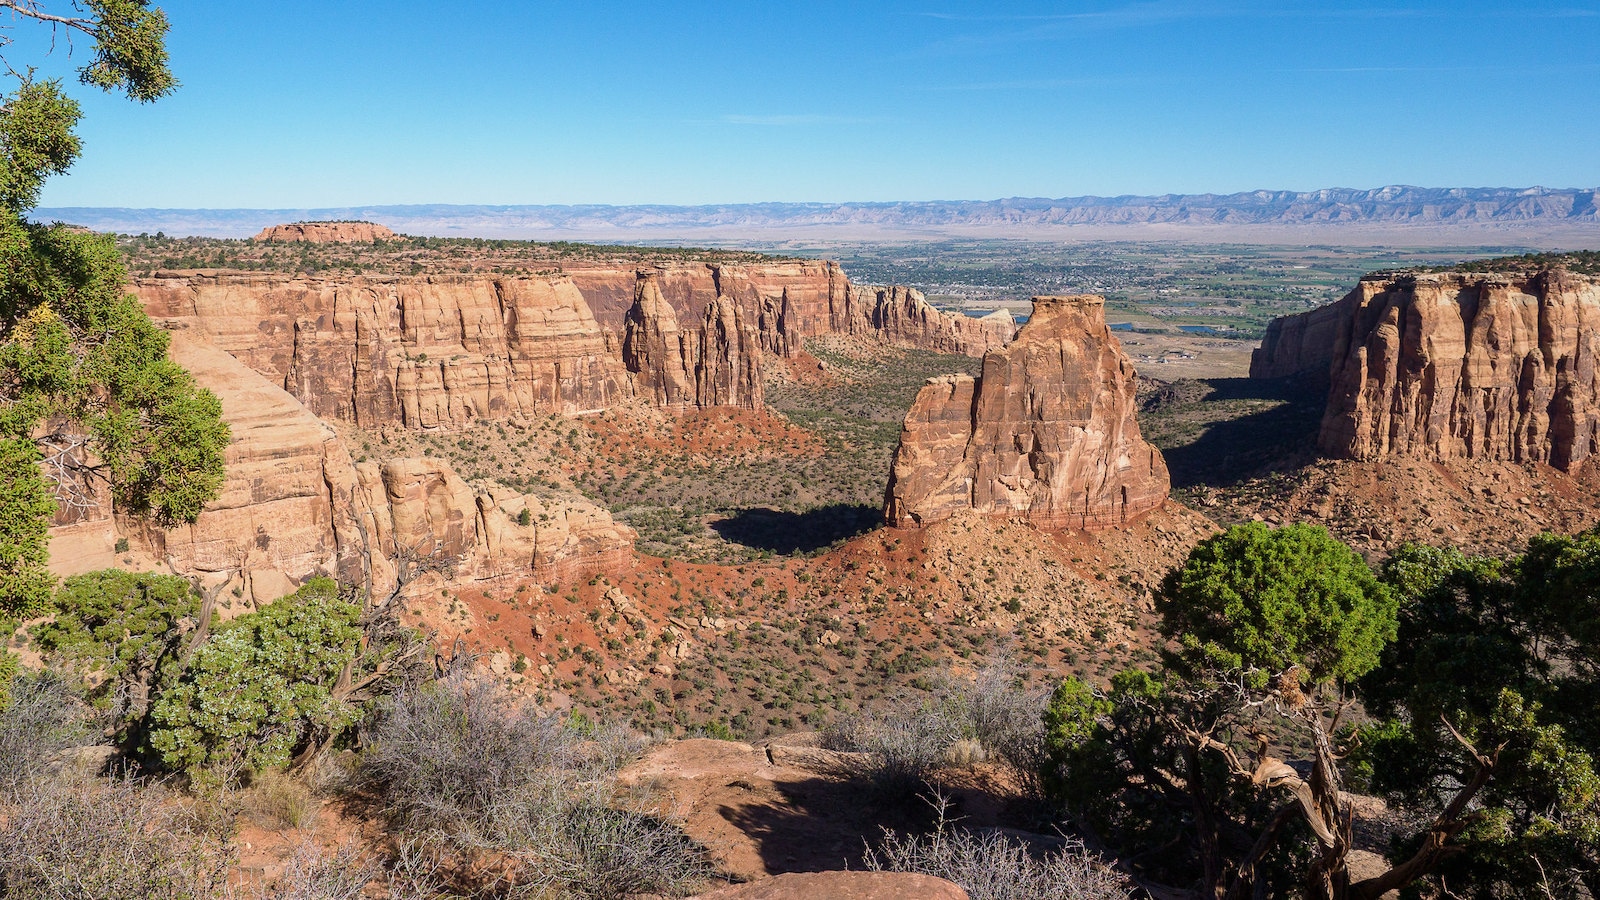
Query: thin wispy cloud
[
  {"x": 1041, "y": 84},
  {"x": 796, "y": 120}
]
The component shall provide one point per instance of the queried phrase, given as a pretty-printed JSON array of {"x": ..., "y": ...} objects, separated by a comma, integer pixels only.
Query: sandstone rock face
[
  {"x": 789, "y": 302},
  {"x": 289, "y": 508},
  {"x": 327, "y": 233},
  {"x": 842, "y": 886},
  {"x": 716, "y": 364},
  {"x": 1302, "y": 345},
  {"x": 1047, "y": 432},
  {"x": 294, "y": 506},
  {"x": 423, "y": 511},
  {"x": 435, "y": 352},
  {"x": 441, "y": 352},
  {"x": 1459, "y": 365},
  {"x": 904, "y": 316},
  {"x": 785, "y": 302}
]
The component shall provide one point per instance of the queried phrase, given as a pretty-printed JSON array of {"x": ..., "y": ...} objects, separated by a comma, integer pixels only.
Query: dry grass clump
[
  {"x": 45, "y": 717},
  {"x": 991, "y": 866},
  {"x": 279, "y": 801},
  {"x": 991, "y": 718},
  {"x": 108, "y": 839},
  {"x": 472, "y": 771}
]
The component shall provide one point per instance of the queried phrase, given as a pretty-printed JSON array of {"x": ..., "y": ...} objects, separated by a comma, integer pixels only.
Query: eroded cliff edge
[
  {"x": 435, "y": 352},
  {"x": 1047, "y": 432},
  {"x": 1496, "y": 366}
]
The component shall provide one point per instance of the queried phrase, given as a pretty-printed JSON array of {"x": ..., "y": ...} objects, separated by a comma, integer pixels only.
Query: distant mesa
[
  {"x": 326, "y": 233},
  {"x": 1500, "y": 366},
  {"x": 1047, "y": 432}
]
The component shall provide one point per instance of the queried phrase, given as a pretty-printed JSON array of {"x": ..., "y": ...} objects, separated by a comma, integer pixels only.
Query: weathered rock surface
[
  {"x": 294, "y": 505},
  {"x": 427, "y": 352},
  {"x": 787, "y": 303},
  {"x": 904, "y": 316},
  {"x": 289, "y": 508},
  {"x": 1454, "y": 366},
  {"x": 1047, "y": 432},
  {"x": 443, "y": 351},
  {"x": 327, "y": 233},
  {"x": 718, "y": 363},
  {"x": 424, "y": 513},
  {"x": 842, "y": 886}
]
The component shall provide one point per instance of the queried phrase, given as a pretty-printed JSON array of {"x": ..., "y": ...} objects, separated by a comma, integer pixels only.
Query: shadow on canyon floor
[
  {"x": 783, "y": 532},
  {"x": 1222, "y": 431}
]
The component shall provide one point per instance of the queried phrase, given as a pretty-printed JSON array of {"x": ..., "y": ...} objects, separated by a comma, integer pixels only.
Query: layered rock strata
[
  {"x": 444, "y": 351},
  {"x": 288, "y": 508},
  {"x": 1454, "y": 365},
  {"x": 424, "y": 515},
  {"x": 327, "y": 233},
  {"x": 433, "y": 352},
  {"x": 294, "y": 505},
  {"x": 716, "y": 364},
  {"x": 1046, "y": 433},
  {"x": 904, "y": 316}
]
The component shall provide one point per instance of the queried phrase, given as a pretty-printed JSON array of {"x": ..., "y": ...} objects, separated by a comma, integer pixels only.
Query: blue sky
[{"x": 303, "y": 103}]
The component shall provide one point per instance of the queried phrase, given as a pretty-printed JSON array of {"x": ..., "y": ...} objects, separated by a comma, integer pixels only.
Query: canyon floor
[{"x": 766, "y": 597}]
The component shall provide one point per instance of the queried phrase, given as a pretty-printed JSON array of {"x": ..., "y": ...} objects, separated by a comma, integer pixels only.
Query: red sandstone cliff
[
  {"x": 294, "y": 505},
  {"x": 444, "y": 351},
  {"x": 716, "y": 363},
  {"x": 904, "y": 316},
  {"x": 327, "y": 233},
  {"x": 420, "y": 352},
  {"x": 1047, "y": 432},
  {"x": 1454, "y": 365}
]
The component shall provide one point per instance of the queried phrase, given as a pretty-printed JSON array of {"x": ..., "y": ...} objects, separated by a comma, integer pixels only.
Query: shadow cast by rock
[
  {"x": 1231, "y": 450},
  {"x": 783, "y": 532}
]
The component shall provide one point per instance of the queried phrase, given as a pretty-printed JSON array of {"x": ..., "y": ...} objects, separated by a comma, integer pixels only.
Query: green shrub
[{"x": 261, "y": 686}]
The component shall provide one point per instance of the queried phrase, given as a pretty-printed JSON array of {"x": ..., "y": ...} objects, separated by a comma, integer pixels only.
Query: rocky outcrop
[
  {"x": 786, "y": 302},
  {"x": 904, "y": 316},
  {"x": 432, "y": 352},
  {"x": 289, "y": 508},
  {"x": 327, "y": 233},
  {"x": 294, "y": 505},
  {"x": 790, "y": 302},
  {"x": 424, "y": 352},
  {"x": 1302, "y": 345},
  {"x": 1461, "y": 365},
  {"x": 716, "y": 364},
  {"x": 1047, "y": 432},
  {"x": 424, "y": 515}
]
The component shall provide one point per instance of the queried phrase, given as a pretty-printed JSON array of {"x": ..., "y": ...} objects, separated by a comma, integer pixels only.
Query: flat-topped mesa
[
  {"x": 326, "y": 233},
  {"x": 1498, "y": 366},
  {"x": 1047, "y": 432}
]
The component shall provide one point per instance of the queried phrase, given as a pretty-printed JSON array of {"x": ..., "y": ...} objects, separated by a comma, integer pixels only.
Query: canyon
[
  {"x": 1048, "y": 432},
  {"x": 444, "y": 351},
  {"x": 1459, "y": 365},
  {"x": 304, "y": 363}
]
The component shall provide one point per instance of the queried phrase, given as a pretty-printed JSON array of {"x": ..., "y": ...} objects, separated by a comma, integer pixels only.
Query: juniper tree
[{"x": 89, "y": 401}]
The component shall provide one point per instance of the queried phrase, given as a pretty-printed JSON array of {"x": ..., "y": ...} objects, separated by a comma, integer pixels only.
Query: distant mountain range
[{"x": 1511, "y": 210}]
